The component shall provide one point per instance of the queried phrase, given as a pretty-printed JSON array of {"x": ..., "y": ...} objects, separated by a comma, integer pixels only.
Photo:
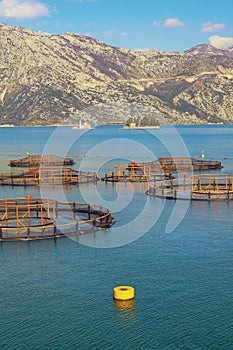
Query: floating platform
[
  {"x": 47, "y": 175},
  {"x": 199, "y": 187},
  {"x": 36, "y": 160},
  {"x": 36, "y": 218}
]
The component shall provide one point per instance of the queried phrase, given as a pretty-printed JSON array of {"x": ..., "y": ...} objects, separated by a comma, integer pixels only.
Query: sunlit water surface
[{"x": 58, "y": 294}]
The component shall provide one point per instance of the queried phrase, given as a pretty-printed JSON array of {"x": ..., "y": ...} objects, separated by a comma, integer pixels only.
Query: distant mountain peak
[{"x": 205, "y": 49}]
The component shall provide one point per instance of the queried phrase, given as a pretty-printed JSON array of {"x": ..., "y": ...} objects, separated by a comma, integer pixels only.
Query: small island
[{"x": 142, "y": 123}]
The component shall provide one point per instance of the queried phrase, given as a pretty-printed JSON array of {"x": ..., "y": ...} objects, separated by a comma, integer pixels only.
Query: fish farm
[
  {"x": 47, "y": 175},
  {"x": 198, "y": 187},
  {"x": 36, "y": 160},
  {"x": 36, "y": 218}
]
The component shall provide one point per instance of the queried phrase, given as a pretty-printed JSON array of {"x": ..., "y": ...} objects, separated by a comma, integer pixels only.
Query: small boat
[{"x": 83, "y": 126}]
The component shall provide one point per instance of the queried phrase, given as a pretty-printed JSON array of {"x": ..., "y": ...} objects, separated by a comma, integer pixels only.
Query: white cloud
[
  {"x": 156, "y": 24},
  {"x": 93, "y": 35},
  {"x": 22, "y": 9},
  {"x": 221, "y": 42},
  {"x": 123, "y": 34},
  {"x": 109, "y": 33},
  {"x": 173, "y": 22},
  {"x": 112, "y": 33},
  {"x": 89, "y": 24},
  {"x": 210, "y": 27},
  {"x": 80, "y": 1}
]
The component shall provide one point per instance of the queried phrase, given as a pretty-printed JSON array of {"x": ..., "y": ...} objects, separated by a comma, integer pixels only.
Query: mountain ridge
[{"x": 56, "y": 79}]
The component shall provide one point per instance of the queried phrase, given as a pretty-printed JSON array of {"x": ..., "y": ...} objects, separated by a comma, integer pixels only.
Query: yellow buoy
[
  {"x": 202, "y": 154},
  {"x": 123, "y": 293}
]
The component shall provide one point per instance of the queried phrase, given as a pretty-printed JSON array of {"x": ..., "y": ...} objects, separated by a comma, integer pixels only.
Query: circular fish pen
[
  {"x": 36, "y": 160},
  {"x": 177, "y": 164},
  {"x": 136, "y": 172},
  {"x": 198, "y": 187},
  {"x": 36, "y": 218},
  {"x": 47, "y": 175}
]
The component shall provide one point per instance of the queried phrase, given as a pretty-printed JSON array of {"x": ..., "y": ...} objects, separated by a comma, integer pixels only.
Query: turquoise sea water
[{"x": 57, "y": 294}]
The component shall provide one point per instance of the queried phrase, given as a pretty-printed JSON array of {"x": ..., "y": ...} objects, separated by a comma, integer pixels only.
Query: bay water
[{"x": 58, "y": 294}]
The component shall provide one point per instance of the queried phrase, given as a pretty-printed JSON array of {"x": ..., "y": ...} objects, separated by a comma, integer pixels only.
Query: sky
[{"x": 166, "y": 25}]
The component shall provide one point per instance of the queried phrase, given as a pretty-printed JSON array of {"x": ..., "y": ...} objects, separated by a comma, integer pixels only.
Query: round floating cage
[
  {"x": 135, "y": 172},
  {"x": 34, "y": 160},
  {"x": 35, "y": 218},
  {"x": 198, "y": 187},
  {"x": 46, "y": 175},
  {"x": 177, "y": 164}
]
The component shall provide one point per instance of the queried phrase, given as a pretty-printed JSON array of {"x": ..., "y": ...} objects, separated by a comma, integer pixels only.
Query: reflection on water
[
  {"x": 124, "y": 305},
  {"x": 125, "y": 309}
]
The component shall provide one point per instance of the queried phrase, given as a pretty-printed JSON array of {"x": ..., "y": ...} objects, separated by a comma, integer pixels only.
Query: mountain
[
  {"x": 55, "y": 79},
  {"x": 208, "y": 50}
]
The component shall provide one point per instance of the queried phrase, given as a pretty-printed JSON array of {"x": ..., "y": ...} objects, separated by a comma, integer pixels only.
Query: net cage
[
  {"x": 198, "y": 187},
  {"x": 41, "y": 159},
  {"x": 36, "y": 218},
  {"x": 46, "y": 175}
]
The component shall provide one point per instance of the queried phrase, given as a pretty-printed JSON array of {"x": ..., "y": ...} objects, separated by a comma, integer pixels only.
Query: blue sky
[{"x": 160, "y": 24}]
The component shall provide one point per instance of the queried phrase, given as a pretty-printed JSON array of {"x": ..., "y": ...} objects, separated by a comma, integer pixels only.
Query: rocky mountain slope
[{"x": 55, "y": 79}]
